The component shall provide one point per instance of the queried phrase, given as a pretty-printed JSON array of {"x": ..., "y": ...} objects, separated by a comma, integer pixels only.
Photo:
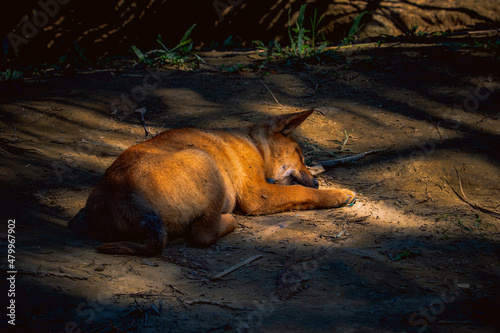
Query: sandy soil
[{"x": 409, "y": 256}]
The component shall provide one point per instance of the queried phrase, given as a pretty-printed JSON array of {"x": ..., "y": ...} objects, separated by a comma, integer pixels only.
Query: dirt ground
[{"x": 410, "y": 255}]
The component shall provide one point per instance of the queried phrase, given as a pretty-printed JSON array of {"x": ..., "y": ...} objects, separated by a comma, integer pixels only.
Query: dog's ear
[{"x": 285, "y": 124}]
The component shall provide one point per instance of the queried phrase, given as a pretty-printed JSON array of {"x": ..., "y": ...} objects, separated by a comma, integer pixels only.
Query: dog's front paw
[{"x": 343, "y": 198}]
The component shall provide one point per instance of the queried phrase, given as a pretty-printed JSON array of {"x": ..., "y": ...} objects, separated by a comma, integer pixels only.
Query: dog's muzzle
[{"x": 294, "y": 181}]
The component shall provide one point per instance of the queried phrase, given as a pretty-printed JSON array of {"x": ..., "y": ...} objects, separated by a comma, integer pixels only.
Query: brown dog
[{"x": 187, "y": 181}]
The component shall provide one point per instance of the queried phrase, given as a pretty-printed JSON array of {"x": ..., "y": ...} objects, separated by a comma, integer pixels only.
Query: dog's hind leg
[
  {"x": 156, "y": 238},
  {"x": 227, "y": 224},
  {"x": 208, "y": 228}
]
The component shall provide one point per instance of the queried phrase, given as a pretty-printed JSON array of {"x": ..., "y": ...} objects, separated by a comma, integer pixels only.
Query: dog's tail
[{"x": 156, "y": 239}]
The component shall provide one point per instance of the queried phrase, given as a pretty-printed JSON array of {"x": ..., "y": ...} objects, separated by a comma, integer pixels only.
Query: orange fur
[{"x": 188, "y": 181}]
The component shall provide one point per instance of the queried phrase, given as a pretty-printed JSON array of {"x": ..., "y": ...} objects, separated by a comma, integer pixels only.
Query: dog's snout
[{"x": 316, "y": 184}]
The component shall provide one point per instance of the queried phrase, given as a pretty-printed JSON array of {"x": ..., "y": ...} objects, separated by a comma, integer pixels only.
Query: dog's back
[
  {"x": 187, "y": 181},
  {"x": 157, "y": 188}
]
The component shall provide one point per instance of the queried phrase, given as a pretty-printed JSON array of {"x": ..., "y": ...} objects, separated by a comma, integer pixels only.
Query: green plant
[
  {"x": 80, "y": 51},
  {"x": 10, "y": 74},
  {"x": 185, "y": 45},
  {"x": 415, "y": 33},
  {"x": 301, "y": 44},
  {"x": 314, "y": 27},
  {"x": 213, "y": 45},
  {"x": 343, "y": 142},
  {"x": 355, "y": 28},
  {"x": 441, "y": 217},
  {"x": 445, "y": 217},
  {"x": 297, "y": 41},
  {"x": 478, "y": 221},
  {"x": 138, "y": 53},
  {"x": 488, "y": 44},
  {"x": 405, "y": 254},
  {"x": 233, "y": 69},
  {"x": 229, "y": 43},
  {"x": 273, "y": 49},
  {"x": 178, "y": 55},
  {"x": 461, "y": 223}
]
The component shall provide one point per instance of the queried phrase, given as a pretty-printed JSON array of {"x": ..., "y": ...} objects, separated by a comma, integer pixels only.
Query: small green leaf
[{"x": 138, "y": 53}]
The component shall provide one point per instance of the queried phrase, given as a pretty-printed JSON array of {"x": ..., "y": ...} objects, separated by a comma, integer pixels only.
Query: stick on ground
[
  {"x": 224, "y": 305},
  {"x": 140, "y": 112},
  {"x": 348, "y": 159},
  {"x": 464, "y": 198},
  {"x": 235, "y": 267},
  {"x": 265, "y": 85}
]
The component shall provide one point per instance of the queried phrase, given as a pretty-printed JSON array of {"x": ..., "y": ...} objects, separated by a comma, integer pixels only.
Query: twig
[
  {"x": 464, "y": 198},
  {"x": 175, "y": 289},
  {"x": 437, "y": 128},
  {"x": 315, "y": 169},
  {"x": 265, "y": 85},
  {"x": 315, "y": 88},
  {"x": 481, "y": 120},
  {"x": 208, "y": 301},
  {"x": 13, "y": 134},
  {"x": 348, "y": 159},
  {"x": 359, "y": 220},
  {"x": 235, "y": 267},
  {"x": 47, "y": 273},
  {"x": 489, "y": 32},
  {"x": 375, "y": 184},
  {"x": 452, "y": 322},
  {"x": 142, "y": 295},
  {"x": 141, "y": 112}
]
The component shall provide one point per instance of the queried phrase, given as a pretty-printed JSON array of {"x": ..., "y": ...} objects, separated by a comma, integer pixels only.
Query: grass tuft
[{"x": 179, "y": 55}]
